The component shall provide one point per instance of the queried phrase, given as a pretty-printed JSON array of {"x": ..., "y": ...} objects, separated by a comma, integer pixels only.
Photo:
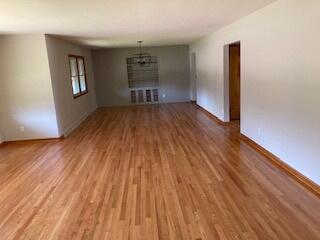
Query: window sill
[{"x": 79, "y": 94}]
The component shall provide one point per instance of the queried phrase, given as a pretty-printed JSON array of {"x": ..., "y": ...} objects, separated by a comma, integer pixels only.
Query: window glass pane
[
  {"x": 73, "y": 66},
  {"x": 83, "y": 84},
  {"x": 81, "y": 66},
  {"x": 75, "y": 85}
]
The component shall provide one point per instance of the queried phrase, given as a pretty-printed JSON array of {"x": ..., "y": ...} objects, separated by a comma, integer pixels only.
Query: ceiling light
[{"x": 142, "y": 58}]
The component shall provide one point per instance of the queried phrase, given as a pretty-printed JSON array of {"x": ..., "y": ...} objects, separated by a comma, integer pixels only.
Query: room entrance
[{"x": 234, "y": 81}]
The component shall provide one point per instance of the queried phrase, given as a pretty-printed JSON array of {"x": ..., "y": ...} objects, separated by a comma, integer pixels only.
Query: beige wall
[
  {"x": 1, "y": 124},
  {"x": 279, "y": 79},
  {"x": 27, "y": 108},
  {"x": 71, "y": 112},
  {"x": 111, "y": 74}
]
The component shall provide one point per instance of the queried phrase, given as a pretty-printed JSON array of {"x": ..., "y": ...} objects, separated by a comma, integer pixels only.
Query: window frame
[{"x": 81, "y": 93}]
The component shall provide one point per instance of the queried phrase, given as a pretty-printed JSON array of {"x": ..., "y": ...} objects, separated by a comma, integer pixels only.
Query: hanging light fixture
[{"x": 142, "y": 58}]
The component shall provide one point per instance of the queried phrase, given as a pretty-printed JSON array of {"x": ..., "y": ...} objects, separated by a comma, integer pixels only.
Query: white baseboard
[{"x": 76, "y": 123}]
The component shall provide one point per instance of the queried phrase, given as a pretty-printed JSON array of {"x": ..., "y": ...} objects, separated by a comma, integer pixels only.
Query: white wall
[
  {"x": 1, "y": 137},
  {"x": 112, "y": 80},
  {"x": 26, "y": 99},
  {"x": 71, "y": 112},
  {"x": 280, "y": 81},
  {"x": 1, "y": 133}
]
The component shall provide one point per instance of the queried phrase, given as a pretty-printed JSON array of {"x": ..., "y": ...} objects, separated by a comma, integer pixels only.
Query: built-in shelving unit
[
  {"x": 143, "y": 75},
  {"x": 145, "y": 95}
]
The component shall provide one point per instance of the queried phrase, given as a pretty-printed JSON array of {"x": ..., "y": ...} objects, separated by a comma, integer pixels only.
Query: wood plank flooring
[{"x": 150, "y": 172}]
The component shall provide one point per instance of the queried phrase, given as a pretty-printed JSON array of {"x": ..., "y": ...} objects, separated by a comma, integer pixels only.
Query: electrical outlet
[
  {"x": 259, "y": 131},
  {"x": 164, "y": 95},
  {"x": 21, "y": 128}
]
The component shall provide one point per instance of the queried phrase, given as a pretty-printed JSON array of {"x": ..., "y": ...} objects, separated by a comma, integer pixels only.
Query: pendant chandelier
[{"x": 142, "y": 58}]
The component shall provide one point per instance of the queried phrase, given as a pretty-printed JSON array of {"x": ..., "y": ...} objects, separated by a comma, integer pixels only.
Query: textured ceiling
[{"x": 118, "y": 23}]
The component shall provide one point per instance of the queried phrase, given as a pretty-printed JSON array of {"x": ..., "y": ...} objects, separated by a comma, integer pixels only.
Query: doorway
[
  {"x": 234, "y": 81},
  {"x": 193, "y": 77}
]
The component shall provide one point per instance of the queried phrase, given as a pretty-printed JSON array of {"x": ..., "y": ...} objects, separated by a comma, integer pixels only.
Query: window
[{"x": 78, "y": 75}]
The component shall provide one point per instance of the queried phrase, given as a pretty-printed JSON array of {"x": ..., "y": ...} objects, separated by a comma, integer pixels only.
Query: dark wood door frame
[{"x": 234, "y": 81}]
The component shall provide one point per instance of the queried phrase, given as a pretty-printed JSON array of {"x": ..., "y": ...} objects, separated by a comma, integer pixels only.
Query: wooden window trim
[{"x": 81, "y": 93}]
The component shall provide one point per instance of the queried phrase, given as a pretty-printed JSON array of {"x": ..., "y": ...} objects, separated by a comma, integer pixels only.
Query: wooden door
[{"x": 234, "y": 81}]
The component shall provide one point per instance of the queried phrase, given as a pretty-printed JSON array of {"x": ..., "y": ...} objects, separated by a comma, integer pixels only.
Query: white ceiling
[{"x": 118, "y": 23}]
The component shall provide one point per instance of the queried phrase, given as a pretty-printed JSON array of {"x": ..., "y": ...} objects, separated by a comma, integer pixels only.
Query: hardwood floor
[{"x": 150, "y": 172}]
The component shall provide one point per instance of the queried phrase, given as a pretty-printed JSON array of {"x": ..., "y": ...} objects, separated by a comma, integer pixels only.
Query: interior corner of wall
[{"x": 53, "y": 88}]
